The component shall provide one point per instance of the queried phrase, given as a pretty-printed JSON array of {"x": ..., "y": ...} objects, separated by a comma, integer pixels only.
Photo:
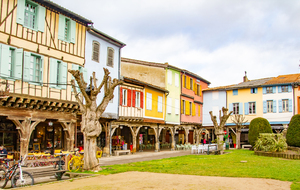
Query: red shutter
[
  {"x": 121, "y": 97},
  {"x": 133, "y": 98},
  {"x": 129, "y": 98},
  {"x": 142, "y": 100}
]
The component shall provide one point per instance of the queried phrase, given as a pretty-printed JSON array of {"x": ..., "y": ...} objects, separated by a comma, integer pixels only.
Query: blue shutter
[
  {"x": 4, "y": 49},
  {"x": 53, "y": 73},
  {"x": 230, "y": 107},
  {"x": 280, "y": 106},
  {"x": 274, "y": 89},
  {"x": 279, "y": 89},
  {"x": 290, "y": 105},
  {"x": 265, "y": 106},
  {"x": 274, "y": 106},
  {"x": 42, "y": 69},
  {"x": 290, "y": 88},
  {"x": 63, "y": 74},
  {"x": 26, "y": 76},
  {"x": 246, "y": 108},
  {"x": 241, "y": 108},
  {"x": 61, "y": 27},
  {"x": 73, "y": 31},
  {"x": 20, "y": 11},
  {"x": 18, "y": 62},
  {"x": 264, "y": 90},
  {"x": 41, "y": 18}
]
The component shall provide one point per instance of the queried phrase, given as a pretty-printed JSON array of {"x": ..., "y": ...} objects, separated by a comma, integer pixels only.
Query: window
[
  {"x": 284, "y": 89},
  {"x": 96, "y": 49},
  {"x": 159, "y": 103},
  {"x": 251, "y": 107},
  {"x": 235, "y": 92},
  {"x": 253, "y": 90},
  {"x": 11, "y": 60},
  {"x": 66, "y": 29},
  {"x": 185, "y": 82},
  {"x": 176, "y": 79},
  {"x": 110, "y": 57},
  {"x": 169, "y": 105},
  {"x": 191, "y": 108},
  {"x": 31, "y": 15},
  {"x": 198, "y": 89},
  {"x": 149, "y": 101},
  {"x": 269, "y": 89},
  {"x": 169, "y": 77},
  {"x": 285, "y": 105},
  {"x": 124, "y": 97},
  {"x": 58, "y": 74},
  {"x": 269, "y": 106},
  {"x": 236, "y": 109},
  {"x": 137, "y": 99},
  {"x": 177, "y": 107},
  {"x": 191, "y": 84},
  {"x": 33, "y": 67},
  {"x": 183, "y": 107}
]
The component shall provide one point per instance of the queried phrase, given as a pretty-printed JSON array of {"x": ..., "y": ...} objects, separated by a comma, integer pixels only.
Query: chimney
[{"x": 245, "y": 77}]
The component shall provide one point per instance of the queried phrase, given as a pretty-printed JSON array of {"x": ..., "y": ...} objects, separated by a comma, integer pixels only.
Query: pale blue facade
[
  {"x": 105, "y": 43},
  {"x": 212, "y": 101}
]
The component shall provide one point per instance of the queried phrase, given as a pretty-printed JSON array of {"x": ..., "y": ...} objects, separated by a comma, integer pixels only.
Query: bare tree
[
  {"x": 239, "y": 121},
  {"x": 219, "y": 129},
  {"x": 91, "y": 113}
]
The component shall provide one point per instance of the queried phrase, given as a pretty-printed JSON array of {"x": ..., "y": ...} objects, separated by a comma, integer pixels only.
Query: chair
[
  {"x": 194, "y": 148},
  {"x": 99, "y": 154},
  {"x": 10, "y": 156},
  {"x": 200, "y": 149},
  {"x": 178, "y": 146},
  {"x": 205, "y": 147}
]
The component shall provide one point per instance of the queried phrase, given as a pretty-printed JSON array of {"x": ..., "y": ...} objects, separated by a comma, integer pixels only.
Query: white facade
[{"x": 278, "y": 105}]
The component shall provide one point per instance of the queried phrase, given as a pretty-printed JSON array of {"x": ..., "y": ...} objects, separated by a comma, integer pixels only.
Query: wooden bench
[
  {"x": 117, "y": 152},
  {"x": 246, "y": 146}
]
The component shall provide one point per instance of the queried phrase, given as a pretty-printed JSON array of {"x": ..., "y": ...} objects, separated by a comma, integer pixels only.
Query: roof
[
  {"x": 250, "y": 83},
  {"x": 136, "y": 81},
  {"x": 162, "y": 65},
  {"x": 64, "y": 11},
  {"x": 284, "y": 79},
  {"x": 195, "y": 75},
  {"x": 105, "y": 37},
  {"x": 219, "y": 88}
]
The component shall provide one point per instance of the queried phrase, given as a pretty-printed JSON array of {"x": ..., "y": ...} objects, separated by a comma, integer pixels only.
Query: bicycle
[
  {"x": 18, "y": 179},
  {"x": 76, "y": 163}
]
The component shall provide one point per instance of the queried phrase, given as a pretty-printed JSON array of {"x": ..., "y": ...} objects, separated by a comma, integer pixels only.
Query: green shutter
[
  {"x": 53, "y": 73},
  {"x": 26, "y": 66},
  {"x": 18, "y": 61},
  {"x": 4, "y": 49},
  {"x": 42, "y": 69},
  {"x": 63, "y": 75},
  {"x": 73, "y": 31},
  {"x": 41, "y": 18},
  {"x": 20, "y": 11},
  {"x": 61, "y": 27}
]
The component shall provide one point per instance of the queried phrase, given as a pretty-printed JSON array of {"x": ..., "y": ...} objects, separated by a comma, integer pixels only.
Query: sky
[{"x": 217, "y": 39}]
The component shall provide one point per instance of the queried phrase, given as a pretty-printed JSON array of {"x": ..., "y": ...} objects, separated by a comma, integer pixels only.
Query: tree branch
[
  {"x": 82, "y": 107},
  {"x": 105, "y": 77}
]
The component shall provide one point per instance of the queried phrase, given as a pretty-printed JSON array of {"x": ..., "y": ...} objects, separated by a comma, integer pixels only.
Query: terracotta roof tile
[
  {"x": 284, "y": 79},
  {"x": 251, "y": 83},
  {"x": 219, "y": 88},
  {"x": 133, "y": 80}
]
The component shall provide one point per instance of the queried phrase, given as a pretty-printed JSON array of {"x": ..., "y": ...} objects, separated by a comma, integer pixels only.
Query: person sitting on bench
[{"x": 3, "y": 151}]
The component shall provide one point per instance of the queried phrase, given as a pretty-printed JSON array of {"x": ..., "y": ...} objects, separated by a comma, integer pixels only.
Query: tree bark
[{"x": 238, "y": 139}]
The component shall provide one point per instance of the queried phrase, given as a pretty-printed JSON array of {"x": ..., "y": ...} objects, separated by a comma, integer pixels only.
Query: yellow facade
[
  {"x": 154, "y": 108},
  {"x": 245, "y": 96}
]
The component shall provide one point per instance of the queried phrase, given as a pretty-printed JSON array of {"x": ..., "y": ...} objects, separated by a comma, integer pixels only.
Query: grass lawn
[{"x": 227, "y": 165}]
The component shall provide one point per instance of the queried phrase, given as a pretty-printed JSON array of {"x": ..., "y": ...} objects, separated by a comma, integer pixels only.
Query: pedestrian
[
  {"x": 3, "y": 151},
  {"x": 204, "y": 141},
  {"x": 209, "y": 140}
]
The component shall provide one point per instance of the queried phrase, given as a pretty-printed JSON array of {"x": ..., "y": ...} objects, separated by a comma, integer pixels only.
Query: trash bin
[{"x": 227, "y": 146}]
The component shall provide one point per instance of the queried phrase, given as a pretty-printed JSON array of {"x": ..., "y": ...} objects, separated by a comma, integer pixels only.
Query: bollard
[{"x": 208, "y": 150}]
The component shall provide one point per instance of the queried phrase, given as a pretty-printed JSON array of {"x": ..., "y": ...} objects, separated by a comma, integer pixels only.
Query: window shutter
[
  {"x": 279, "y": 89},
  {"x": 264, "y": 90},
  {"x": 26, "y": 76},
  {"x": 129, "y": 98},
  {"x": 4, "y": 49},
  {"x": 200, "y": 90},
  {"x": 280, "y": 106},
  {"x": 169, "y": 77},
  {"x": 195, "y": 88},
  {"x": 121, "y": 96},
  {"x": 246, "y": 105},
  {"x": 159, "y": 104},
  {"x": 133, "y": 98},
  {"x": 42, "y": 69},
  {"x": 176, "y": 79},
  {"x": 194, "y": 109},
  {"x": 96, "y": 50},
  {"x": 290, "y": 105},
  {"x": 110, "y": 57},
  {"x": 187, "y": 108},
  {"x": 53, "y": 73},
  {"x": 169, "y": 105},
  {"x": 241, "y": 108},
  {"x": 20, "y": 11},
  {"x": 274, "y": 89},
  {"x": 63, "y": 75},
  {"x": 274, "y": 106},
  {"x": 73, "y": 31},
  {"x": 61, "y": 27},
  {"x": 230, "y": 107},
  {"x": 18, "y": 63},
  {"x": 187, "y": 82},
  {"x": 142, "y": 100},
  {"x": 265, "y": 106},
  {"x": 199, "y": 110},
  {"x": 181, "y": 107},
  {"x": 41, "y": 18},
  {"x": 183, "y": 81},
  {"x": 290, "y": 88}
]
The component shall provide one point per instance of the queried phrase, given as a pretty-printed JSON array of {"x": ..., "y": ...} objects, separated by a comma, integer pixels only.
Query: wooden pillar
[
  {"x": 172, "y": 130},
  {"x": 197, "y": 133},
  {"x": 134, "y": 131},
  {"x": 107, "y": 138},
  {"x": 157, "y": 131},
  {"x": 69, "y": 128},
  {"x": 187, "y": 130}
]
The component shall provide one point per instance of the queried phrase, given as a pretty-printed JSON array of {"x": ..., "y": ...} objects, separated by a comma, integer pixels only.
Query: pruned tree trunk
[
  {"x": 239, "y": 120},
  {"x": 238, "y": 139},
  {"x": 91, "y": 113},
  {"x": 219, "y": 129}
]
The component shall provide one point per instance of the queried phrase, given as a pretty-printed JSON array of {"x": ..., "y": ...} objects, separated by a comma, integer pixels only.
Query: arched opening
[
  {"x": 121, "y": 138},
  {"x": 165, "y": 139},
  {"x": 9, "y": 137}
]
